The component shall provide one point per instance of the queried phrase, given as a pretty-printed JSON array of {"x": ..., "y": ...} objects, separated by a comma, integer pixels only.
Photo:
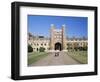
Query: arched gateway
[
  {"x": 58, "y": 38},
  {"x": 58, "y": 46}
]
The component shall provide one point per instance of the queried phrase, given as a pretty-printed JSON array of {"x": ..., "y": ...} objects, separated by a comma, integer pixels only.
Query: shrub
[
  {"x": 41, "y": 49},
  {"x": 30, "y": 49},
  {"x": 85, "y": 48},
  {"x": 77, "y": 48}
]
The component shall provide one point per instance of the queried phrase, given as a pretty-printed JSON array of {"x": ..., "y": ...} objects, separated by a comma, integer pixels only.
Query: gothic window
[
  {"x": 37, "y": 49},
  {"x": 81, "y": 43},
  {"x": 41, "y": 44},
  {"x": 45, "y": 44}
]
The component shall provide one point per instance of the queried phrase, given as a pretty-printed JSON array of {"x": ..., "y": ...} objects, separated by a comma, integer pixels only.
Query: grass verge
[
  {"x": 35, "y": 56},
  {"x": 80, "y": 56}
]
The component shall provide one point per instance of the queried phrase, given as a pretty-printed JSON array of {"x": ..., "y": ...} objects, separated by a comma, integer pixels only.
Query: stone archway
[{"x": 58, "y": 46}]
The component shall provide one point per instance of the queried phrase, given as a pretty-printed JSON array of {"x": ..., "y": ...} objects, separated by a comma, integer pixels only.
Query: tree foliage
[
  {"x": 41, "y": 49},
  {"x": 30, "y": 49}
]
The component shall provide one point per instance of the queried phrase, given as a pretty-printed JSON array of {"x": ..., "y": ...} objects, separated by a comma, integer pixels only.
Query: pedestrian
[{"x": 57, "y": 53}]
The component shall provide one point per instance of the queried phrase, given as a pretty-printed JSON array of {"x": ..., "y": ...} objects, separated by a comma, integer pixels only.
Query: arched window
[
  {"x": 37, "y": 49},
  {"x": 45, "y": 44},
  {"x": 42, "y": 44}
]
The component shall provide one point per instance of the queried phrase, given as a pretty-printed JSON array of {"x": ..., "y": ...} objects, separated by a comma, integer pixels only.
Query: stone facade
[
  {"x": 56, "y": 41},
  {"x": 57, "y": 38}
]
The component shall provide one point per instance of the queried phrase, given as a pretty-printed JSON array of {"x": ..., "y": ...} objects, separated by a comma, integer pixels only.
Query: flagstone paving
[{"x": 51, "y": 59}]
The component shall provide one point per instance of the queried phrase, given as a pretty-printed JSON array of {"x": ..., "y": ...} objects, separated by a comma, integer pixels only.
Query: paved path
[{"x": 62, "y": 59}]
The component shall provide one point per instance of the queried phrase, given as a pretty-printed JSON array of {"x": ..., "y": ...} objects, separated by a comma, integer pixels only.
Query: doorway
[{"x": 58, "y": 46}]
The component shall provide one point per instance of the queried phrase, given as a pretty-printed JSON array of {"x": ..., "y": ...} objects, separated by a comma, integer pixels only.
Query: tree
[
  {"x": 30, "y": 49},
  {"x": 80, "y": 48},
  {"x": 69, "y": 46},
  {"x": 41, "y": 49},
  {"x": 85, "y": 48},
  {"x": 75, "y": 46}
]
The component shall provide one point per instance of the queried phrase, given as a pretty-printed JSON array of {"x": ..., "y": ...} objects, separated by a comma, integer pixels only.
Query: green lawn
[
  {"x": 35, "y": 56},
  {"x": 80, "y": 56}
]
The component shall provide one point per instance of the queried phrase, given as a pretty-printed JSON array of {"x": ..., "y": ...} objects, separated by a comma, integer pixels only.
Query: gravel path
[{"x": 62, "y": 59}]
